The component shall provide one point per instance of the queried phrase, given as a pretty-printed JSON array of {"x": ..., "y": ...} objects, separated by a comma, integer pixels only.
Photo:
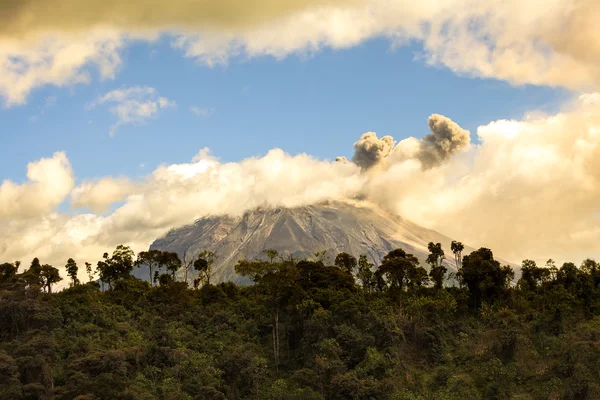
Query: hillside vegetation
[{"x": 303, "y": 330}]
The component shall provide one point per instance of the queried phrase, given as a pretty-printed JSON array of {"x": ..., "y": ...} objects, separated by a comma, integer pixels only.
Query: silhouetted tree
[
  {"x": 400, "y": 270},
  {"x": 484, "y": 277},
  {"x": 346, "y": 262},
  {"x": 49, "y": 276},
  {"x": 116, "y": 267},
  {"x": 365, "y": 274},
  {"x": 72, "y": 269},
  {"x": 457, "y": 249},
  {"x": 88, "y": 270},
  {"x": 7, "y": 271},
  {"x": 203, "y": 265},
  {"x": 152, "y": 259},
  {"x": 435, "y": 259},
  {"x": 171, "y": 262}
]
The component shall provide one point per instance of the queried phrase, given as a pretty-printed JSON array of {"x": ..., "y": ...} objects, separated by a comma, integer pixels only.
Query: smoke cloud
[
  {"x": 435, "y": 148},
  {"x": 370, "y": 151},
  {"x": 445, "y": 139}
]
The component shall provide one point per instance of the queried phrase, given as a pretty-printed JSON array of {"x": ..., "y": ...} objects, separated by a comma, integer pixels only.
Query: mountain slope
[{"x": 300, "y": 232}]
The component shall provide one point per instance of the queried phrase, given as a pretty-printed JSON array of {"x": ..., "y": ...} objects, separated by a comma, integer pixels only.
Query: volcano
[{"x": 334, "y": 227}]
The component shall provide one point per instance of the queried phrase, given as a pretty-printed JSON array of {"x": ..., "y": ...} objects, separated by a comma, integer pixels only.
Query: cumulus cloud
[
  {"x": 529, "y": 189},
  {"x": 56, "y": 59},
  {"x": 541, "y": 42},
  {"x": 20, "y": 18},
  {"x": 133, "y": 105},
  {"x": 98, "y": 196},
  {"x": 49, "y": 182},
  {"x": 171, "y": 196},
  {"x": 370, "y": 151}
]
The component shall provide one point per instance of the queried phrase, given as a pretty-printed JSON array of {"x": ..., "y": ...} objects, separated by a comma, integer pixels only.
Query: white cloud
[
  {"x": 541, "y": 42},
  {"x": 538, "y": 42},
  {"x": 49, "y": 182},
  {"x": 202, "y": 112},
  {"x": 98, "y": 196},
  {"x": 57, "y": 60},
  {"x": 133, "y": 105}
]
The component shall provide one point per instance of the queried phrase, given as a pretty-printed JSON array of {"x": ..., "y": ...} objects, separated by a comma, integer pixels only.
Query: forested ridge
[{"x": 306, "y": 329}]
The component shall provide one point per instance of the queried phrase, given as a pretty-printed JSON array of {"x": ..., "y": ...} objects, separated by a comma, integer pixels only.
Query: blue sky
[{"x": 319, "y": 104}]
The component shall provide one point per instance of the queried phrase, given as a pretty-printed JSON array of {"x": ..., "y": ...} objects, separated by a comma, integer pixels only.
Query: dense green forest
[{"x": 304, "y": 330}]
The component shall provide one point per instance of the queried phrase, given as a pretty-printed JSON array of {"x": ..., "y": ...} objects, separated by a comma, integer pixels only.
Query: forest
[{"x": 304, "y": 329}]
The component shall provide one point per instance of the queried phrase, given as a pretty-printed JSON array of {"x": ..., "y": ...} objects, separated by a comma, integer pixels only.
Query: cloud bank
[
  {"x": 63, "y": 42},
  {"x": 529, "y": 188}
]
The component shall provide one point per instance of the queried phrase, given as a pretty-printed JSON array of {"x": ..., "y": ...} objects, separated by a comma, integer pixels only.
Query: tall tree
[
  {"x": 72, "y": 269},
  {"x": 88, "y": 270},
  {"x": 365, "y": 274},
  {"x": 50, "y": 276},
  {"x": 188, "y": 265},
  {"x": 204, "y": 264},
  {"x": 278, "y": 282},
  {"x": 118, "y": 266},
  {"x": 435, "y": 259},
  {"x": 400, "y": 270},
  {"x": 7, "y": 271},
  {"x": 151, "y": 259},
  {"x": 171, "y": 262},
  {"x": 457, "y": 249},
  {"x": 271, "y": 254},
  {"x": 346, "y": 262},
  {"x": 484, "y": 277}
]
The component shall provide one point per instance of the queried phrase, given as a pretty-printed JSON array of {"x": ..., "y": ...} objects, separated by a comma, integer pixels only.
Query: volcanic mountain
[{"x": 336, "y": 227}]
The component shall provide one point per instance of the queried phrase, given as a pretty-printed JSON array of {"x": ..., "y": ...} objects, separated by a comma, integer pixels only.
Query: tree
[
  {"x": 484, "y": 277},
  {"x": 457, "y": 248},
  {"x": 532, "y": 276},
  {"x": 320, "y": 256},
  {"x": 7, "y": 271},
  {"x": 346, "y": 262},
  {"x": 116, "y": 267},
  {"x": 435, "y": 259},
  {"x": 188, "y": 264},
  {"x": 152, "y": 259},
  {"x": 50, "y": 276},
  {"x": 33, "y": 275},
  {"x": 203, "y": 265},
  {"x": 271, "y": 254},
  {"x": 567, "y": 274},
  {"x": 88, "y": 269},
  {"x": 171, "y": 262},
  {"x": 278, "y": 282},
  {"x": 399, "y": 270},
  {"x": 365, "y": 274},
  {"x": 72, "y": 269}
]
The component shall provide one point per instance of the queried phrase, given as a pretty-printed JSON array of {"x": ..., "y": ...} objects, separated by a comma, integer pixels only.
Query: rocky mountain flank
[{"x": 301, "y": 232}]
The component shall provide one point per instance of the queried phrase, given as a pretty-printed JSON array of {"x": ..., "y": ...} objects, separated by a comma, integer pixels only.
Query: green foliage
[{"x": 302, "y": 330}]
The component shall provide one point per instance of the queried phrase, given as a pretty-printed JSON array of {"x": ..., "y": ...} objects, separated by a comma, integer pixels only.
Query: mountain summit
[{"x": 336, "y": 227}]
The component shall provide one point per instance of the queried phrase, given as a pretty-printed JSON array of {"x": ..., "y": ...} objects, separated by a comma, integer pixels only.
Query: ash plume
[
  {"x": 445, "y": 139},
  {"x": 370, "y": 151}
]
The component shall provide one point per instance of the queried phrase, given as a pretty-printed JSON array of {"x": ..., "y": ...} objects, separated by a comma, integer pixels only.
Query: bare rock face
[{"x": 301, "y": 232}]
